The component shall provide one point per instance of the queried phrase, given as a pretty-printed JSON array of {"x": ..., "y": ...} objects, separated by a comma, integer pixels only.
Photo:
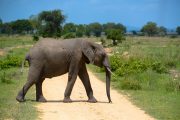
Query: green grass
[
  {"x": 11, "y": 80},
  {"x": 154, "y": 89},
  {"x": 14, "y": 41},
  {"x": 161, "y": 105},
  {"x": 9, "y": 107}
]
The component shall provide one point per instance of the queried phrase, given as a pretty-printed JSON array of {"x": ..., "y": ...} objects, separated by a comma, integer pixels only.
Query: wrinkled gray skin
[{"x": 50, "y": 58}]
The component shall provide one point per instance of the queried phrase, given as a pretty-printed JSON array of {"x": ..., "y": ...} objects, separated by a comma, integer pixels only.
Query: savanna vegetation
[
  {"x": 147, "y": 69},
  {"x": 12, "y": 51}
]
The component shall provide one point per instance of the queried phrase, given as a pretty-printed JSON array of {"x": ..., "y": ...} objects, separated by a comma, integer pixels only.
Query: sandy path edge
[{"x": 120, "y": 109}]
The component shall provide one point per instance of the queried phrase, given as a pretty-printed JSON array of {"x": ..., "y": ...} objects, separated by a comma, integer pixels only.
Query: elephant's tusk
[{"x": 110, "y": 71}]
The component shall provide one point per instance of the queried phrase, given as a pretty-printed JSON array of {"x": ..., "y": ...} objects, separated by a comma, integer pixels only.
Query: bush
[
  {"x": 35, "y": 37},
  {"x": 10, "y": 61},
  {"x": 124, "y": 67},
  {"x": 115, "y": 62},
  {"x": 69, "y": 35},
  {"x": 159, "y": 67}
]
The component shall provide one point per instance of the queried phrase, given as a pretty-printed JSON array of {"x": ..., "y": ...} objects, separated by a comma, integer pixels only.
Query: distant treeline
[{"x": 52, "y": 24}]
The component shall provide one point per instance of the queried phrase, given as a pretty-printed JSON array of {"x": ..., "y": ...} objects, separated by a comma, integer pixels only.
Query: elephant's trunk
[{"x": 108, "y": 78}]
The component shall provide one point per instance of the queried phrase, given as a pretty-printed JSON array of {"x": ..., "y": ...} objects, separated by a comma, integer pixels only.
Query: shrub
[
  {"x": 69, "y": 35},
  {"x": 35, "y": 37},
  {"x": 10, "y": 61},
  {"x": 159, "y": 67},
  {"x": 123, "y": 66},
  {"x": 115, "y": 62}
]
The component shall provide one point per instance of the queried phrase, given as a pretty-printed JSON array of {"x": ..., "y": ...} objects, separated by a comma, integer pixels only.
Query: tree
[
  {"x": 33, "y": 19},
  {"x": 1, "y": 23},
  {"x": 69, "y": 27},
  {"x": 150, "y": 29},
  {"x": 112, "y": 25},
  {"x": 50, "y": 23},
  {"x": 116, "y": 35},
  {"x": 6, "y": 28},
  {"x": 80, "y": 30},
  {"x": 21, "y": 26},
  {"x": 162, "y": 31},
  {"x": 95, "y": 28},
  {"x": 178, "y": 30}
]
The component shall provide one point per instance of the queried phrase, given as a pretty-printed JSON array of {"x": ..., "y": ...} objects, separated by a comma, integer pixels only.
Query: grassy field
[
  {"x": 147, "y": 69},
  {"x": 11, "y": 80}
]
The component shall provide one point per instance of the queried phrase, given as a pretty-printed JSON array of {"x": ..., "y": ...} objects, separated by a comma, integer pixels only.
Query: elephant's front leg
[
  {"x": 72, "y": 75},
  {"x": 83, "y": 75}
]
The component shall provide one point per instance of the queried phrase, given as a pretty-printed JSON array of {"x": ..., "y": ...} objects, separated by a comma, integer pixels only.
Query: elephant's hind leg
[
  {"x": 39, "y": 93},
  {"x": 33, "y": 77}
]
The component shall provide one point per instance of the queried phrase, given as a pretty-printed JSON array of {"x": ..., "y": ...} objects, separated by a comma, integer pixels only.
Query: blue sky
[{"x": 131, "y": 13}]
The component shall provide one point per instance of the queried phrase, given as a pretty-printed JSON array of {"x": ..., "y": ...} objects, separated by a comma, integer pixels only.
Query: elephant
[{"x": 51, "y": 58}]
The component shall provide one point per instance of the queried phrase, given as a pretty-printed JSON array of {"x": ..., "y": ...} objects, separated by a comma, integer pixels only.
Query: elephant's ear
[{"x": 89, "y": 51}]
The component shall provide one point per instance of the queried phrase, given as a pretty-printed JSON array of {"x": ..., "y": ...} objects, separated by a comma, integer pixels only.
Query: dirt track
[{"x": 120, "y": 109}]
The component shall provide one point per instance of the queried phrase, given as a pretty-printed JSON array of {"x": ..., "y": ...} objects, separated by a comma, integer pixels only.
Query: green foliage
[
  {"x": 33, "y": 19},
  {"x": 111, "y": 25},
  {"x": 80, "y": 30},
  {"x": 178, "y": 30},
  {"x": 150, "y": 29},
  {"x": 95, "y": 28},
  {"x": 50, "y": 23},
  {"x": 69, "y": 27},
  {"x": 10, "y": 61},
  {"x": 116, "y": 35},
  {"x": 21, "y": 26},
  {"x": 123, "y": 66},
  {"x": 162, "y": 31},
  {"x": 159, "y": 67},
  {"x": 17, "y": 27},
  {"x": 35, "y": 37},
  {"x": 6, "y": 28},
  {"x": 69, "y": 35}
]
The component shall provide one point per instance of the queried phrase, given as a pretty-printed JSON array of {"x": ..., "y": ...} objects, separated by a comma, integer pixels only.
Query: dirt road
[{"x": 55, "y": 109}]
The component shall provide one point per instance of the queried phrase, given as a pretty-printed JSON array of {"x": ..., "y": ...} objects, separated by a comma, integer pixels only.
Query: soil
[{"x": 79, "y": 109}]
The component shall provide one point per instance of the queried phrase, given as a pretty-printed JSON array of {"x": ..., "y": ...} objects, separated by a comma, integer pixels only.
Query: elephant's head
[{"x": 95, "y": 54}]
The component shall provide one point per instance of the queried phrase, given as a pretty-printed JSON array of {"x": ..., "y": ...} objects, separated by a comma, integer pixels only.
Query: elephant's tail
[{"x": 23, "y": 62}]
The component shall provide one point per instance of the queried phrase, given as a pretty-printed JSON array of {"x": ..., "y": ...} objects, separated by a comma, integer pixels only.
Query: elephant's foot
[
  {"x": 20, "y": 98},
  {"x": 67, "y": 100},
  {"x": 41, "y": 99},
  {"x": 92, "y": 100}
]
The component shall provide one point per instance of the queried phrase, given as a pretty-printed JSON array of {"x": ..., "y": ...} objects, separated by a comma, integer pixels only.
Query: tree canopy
[
  {"x": 178, "y": 30},
  {"x": 150, "y": 29},
  {"x": 116, "y": 35},
  {"x": 50, "y": 23}
]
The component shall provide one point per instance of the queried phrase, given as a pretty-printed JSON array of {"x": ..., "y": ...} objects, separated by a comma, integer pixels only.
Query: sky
[{"x": 131, "y": 13}]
